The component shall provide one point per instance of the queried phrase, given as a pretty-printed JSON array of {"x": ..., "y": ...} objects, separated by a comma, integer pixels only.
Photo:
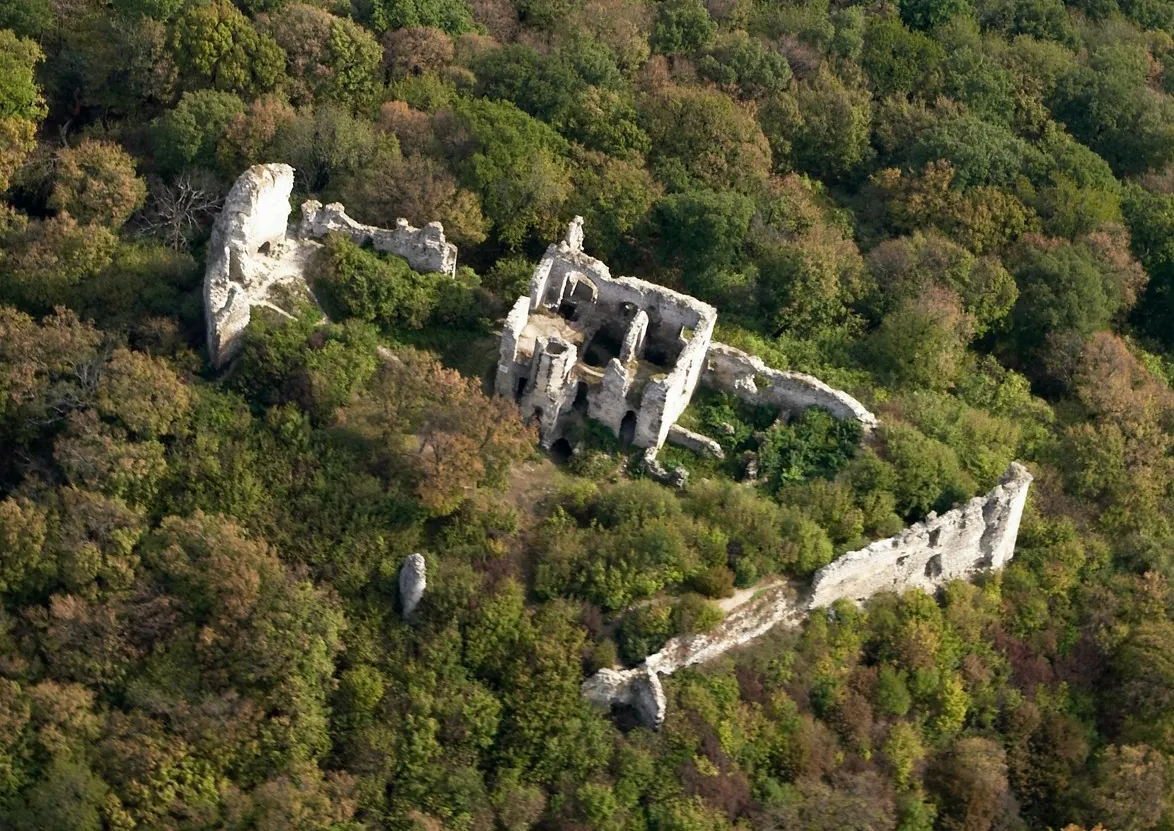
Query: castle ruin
[
  {"x": 254, "y": 250},
  {"x": 629, "y": 354}
]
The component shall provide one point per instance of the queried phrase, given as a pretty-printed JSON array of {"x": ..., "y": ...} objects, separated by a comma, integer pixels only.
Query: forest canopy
[{"x": 960, "y": 211}]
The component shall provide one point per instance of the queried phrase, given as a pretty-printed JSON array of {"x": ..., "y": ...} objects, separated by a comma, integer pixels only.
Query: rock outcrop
[
  {"x": 413, "y": 579},
  {"x": 253, "y": 251},
  {"x": 960, "y": 543}
]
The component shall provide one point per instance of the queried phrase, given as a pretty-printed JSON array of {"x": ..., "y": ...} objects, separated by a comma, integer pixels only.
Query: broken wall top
[{"x": 565, "y": 262}]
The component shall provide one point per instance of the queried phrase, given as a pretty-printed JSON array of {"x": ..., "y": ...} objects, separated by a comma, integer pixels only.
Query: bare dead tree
[{"x": 177, "y": 212}]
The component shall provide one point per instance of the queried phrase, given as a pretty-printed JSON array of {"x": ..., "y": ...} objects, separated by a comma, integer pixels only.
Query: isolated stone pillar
[{"x": 412, "y": 581}]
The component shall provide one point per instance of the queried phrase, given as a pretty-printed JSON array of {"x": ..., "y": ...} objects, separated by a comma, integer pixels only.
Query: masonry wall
[
  {"x": 731, "y": 370},
  {"x": 255, "y": 213},
  {"x": 425, "y": 249},
  {"x": 977, "y": 536},
  {"x": 252, "y": 248}
]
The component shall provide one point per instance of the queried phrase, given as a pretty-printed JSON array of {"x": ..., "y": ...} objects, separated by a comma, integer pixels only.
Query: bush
[
  {"x": 816, "y": 444},
  {"x": 378, "y": 289},
  {"x": 693, "y": 614},
  {"x": 716, "y": 581},
  {"x": 928, "y": 473},
  {"x": 644, "y": 631}
]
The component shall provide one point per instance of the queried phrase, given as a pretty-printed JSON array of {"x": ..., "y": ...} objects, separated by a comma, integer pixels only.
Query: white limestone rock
[{"x": 413, "y": 579}]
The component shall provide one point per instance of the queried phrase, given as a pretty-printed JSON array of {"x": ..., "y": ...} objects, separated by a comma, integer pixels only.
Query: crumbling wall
[
  {"x": 254, "y": 215},
  {"x": 702, "y": 445},
  {"x": 570, "y": 284},
  {"x": 425, "y": 249},
  {"x": 253, "y": 249},
  {"x": 666, "y": 397},
  {"x": 977, "y": 536},
  {"x": 731, "y": 370}
]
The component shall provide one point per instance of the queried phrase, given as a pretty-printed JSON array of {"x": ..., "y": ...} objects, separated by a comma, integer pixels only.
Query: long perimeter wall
[{"x": 975, "y": 537}]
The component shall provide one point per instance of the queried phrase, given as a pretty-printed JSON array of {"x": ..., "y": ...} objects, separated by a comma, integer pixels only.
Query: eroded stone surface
[
  {"x": 413, "y": 579},
  {"x": 977, "y": 536},
  {"x": 746, "y": 376},
  {"x": 253, "y": 251}
]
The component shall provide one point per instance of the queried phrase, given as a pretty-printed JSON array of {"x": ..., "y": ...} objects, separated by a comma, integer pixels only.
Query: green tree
[
  {"x": 703, "y": 138},
  {"x": 926, "y": 14},
  {"x": 190, "y": 133},
  {"x": 1109, "y": 106},
  {"x": 906, "y": 267},
  {"x": 822, "y": 128},
  {"x": 96, "y": 182},
  {"x": 681, "y": 26},
  {"x": 327, "y": 145},
  {"x": 923, "y": 341},
  {"x": 517, "y": 168},
  {"x": 47, "y": 262},
  {"x": 896, "y": 59},
  {"x": 815, "y": 444},
  {"x": 738, "y": 62},
  {"x": 702, "y": 229},
  {"x": 377, "y": 288},
  {"x": 328, "y": 58},
  {"x": 451, "y": 16},
  {"x": 21, "y": 105},
  {"x": 214, "y": 44}
]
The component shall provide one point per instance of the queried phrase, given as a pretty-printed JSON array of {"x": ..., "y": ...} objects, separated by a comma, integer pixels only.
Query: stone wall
[
  {"x": 731, "y": 370},
  {"x": 977, "y": 536},
  {"x": 661, "y": 337},
  {"x": 253, "y": 249},
  {"x": 425, "y": 249},
  {"x": 254, "y": 215}
]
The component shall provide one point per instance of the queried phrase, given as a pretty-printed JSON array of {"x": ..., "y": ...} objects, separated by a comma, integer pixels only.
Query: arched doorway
[
  {"x": 561, "y": 451},
  {"x": 628, "y": 428}
]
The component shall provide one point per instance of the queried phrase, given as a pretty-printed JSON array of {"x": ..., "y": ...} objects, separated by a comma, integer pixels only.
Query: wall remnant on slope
[
  {"x": 425, "y": 249},
  {"x": 731, "y": 370},
  {"x": 975, "y": 537},
  {"x": 253, "y": 250}
]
